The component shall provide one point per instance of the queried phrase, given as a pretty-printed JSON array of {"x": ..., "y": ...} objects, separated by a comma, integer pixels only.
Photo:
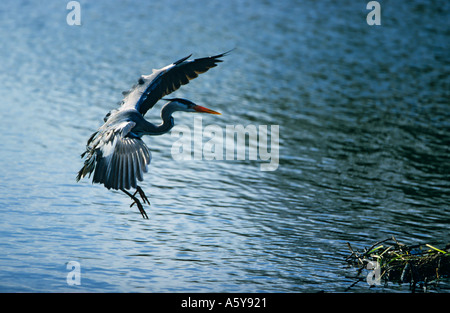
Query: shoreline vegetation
[{"x": 391, "y": 261}]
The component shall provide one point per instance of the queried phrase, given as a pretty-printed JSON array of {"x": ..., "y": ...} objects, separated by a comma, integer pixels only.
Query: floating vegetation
[{"x": 391, "y": 261}]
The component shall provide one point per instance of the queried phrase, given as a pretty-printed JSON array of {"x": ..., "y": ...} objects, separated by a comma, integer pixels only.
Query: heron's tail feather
[{"x": 89, "y": 164}]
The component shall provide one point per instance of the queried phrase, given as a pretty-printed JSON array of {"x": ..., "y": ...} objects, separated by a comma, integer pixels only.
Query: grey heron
[{"x": 115, "y": 153}]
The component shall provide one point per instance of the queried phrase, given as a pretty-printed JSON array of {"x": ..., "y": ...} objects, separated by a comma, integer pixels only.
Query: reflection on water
[{"x": 364, "y": 144}]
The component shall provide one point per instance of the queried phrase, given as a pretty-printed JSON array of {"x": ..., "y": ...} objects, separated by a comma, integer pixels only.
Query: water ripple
[{"x": 364, "y": 144}]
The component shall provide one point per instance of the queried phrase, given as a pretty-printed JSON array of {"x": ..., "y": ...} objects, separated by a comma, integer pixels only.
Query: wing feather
[
  {"x": 116, "y": 160},
  {"x": 149, "y": 89}
]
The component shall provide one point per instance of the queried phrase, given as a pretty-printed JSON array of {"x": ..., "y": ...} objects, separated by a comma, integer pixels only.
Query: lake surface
[{"x": 364, "y": 144}]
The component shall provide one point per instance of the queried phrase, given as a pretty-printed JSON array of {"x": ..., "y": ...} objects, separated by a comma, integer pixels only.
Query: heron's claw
[
  {"x": 141, "y": 209},
  {"x": 136, "y": 200},
  {"x": 142, "y": 194}
]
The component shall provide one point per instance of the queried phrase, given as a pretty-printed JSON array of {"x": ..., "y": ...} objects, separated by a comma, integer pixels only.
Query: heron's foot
[
  {"x": 142, "y": 194},
  {"x": 140, "y": 207},
  {"x": 138, "y": 203}
]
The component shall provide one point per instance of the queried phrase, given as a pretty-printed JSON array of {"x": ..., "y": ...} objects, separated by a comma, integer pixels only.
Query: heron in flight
[{"x": 115, "y": 153}]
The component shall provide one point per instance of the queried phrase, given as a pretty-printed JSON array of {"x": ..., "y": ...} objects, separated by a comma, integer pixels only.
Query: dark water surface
[{"x": 364, "y": 131}]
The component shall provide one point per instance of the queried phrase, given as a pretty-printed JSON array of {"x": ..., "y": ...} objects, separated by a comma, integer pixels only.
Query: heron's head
[{"x": 189, "y": 106}]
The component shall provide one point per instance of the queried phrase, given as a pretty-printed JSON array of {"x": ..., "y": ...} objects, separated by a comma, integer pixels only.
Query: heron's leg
[
  {"x": 136, "y": 200},
  {"x": 142, "y": 194}
]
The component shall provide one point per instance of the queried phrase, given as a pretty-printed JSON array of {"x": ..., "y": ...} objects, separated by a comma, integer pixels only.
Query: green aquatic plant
[{"x": 418, "y": 265}]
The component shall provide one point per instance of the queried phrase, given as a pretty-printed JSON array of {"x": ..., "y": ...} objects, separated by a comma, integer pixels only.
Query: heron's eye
[{"x": 141, "y": 81}]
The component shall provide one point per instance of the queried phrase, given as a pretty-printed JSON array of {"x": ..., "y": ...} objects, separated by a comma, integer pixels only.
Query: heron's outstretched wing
[
  {"x": 149, "y": 89},
  {"x": 116, "y": 159}
]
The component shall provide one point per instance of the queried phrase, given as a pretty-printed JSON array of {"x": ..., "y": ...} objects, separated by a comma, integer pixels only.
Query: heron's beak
[{"x": 204, "y": 110}]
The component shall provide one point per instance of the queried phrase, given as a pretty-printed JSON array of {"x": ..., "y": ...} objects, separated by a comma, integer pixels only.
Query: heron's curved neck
[{"x": 167, "y": 121}]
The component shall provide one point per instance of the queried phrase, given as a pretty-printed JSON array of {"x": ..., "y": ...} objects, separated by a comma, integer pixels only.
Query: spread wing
[
  {"x": 124, "y": 166},
  {"x": 117, "y": 160},
  {"x": 149, "y": 89}
]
